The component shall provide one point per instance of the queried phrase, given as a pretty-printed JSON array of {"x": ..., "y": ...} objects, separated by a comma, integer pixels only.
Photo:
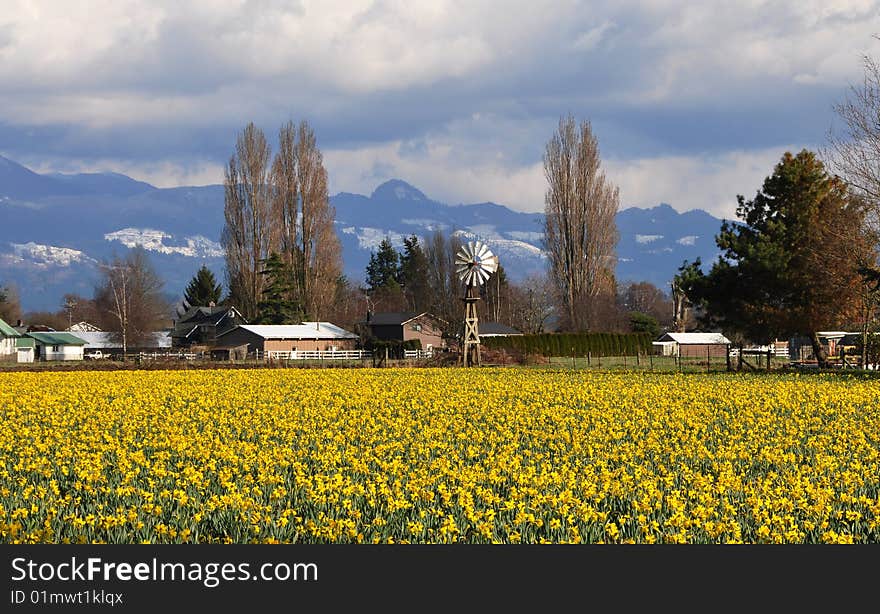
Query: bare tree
[
  {"x": 305, "y": 218},
  {"x": 579, "y": 229},
  {"x": 531, "y": 304},
  {"x": 854, "y": 151},
  {"x": 131, "y": 299},
  {"x": 445, "y": 288},
  {"x": 249, "y": 234},
  {"x": 10, "y": 307}
]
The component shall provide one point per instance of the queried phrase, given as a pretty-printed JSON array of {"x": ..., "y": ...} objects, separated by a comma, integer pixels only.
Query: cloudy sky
[{"x": 692, "y": 102}]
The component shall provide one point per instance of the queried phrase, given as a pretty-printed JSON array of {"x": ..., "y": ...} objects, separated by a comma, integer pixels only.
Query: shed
[
  {"x": 495, "y": 329},
  {"x": 25, "y": 347},
  {"x": 57, "y": 346},
  {"x": 308, "y": 336},
  {"x": 692, "y": 345},
  {"x": 406, "y": 326}
]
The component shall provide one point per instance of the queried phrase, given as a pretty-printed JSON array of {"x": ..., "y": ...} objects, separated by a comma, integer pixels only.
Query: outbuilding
[
  {"x": 308, "y": 336},
  {"x": 496, "y": 329},
  {"x": 57, "y": 346},
  {"x": 692, "y": 345}
]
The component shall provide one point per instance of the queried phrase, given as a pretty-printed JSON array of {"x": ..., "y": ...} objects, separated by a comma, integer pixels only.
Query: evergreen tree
[
  {"x": 383, "y": 270},
  {"x": 414, "y": 274},
  {"x": 277, "y": 305},
  {"x": 202, "y": 290},
  {"x": 792, "y": 266}
]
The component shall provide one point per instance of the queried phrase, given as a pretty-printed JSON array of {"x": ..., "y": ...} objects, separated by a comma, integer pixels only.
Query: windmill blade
[
  {"x": 484, "y": 274},
  {"x": 490, "y": 264},
  {"x": 484, "y": 252}
]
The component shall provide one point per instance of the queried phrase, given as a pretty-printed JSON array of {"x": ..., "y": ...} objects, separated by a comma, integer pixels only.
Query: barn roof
[
  {"x": 7, "y": 331},
  {"x": 696, "y": 338},
  {"x": 56, "y": 338},
  {"x": 306, "y": 330}
]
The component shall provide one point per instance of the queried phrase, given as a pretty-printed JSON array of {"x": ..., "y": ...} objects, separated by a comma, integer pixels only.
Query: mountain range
[{"x": 56, "y": 228}]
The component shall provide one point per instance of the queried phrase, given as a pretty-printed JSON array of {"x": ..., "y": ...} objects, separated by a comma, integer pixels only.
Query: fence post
[
  {"x": 638, "y": 358},
  {"x": 768, "y": 359},
  {"x": 739, "y": 361},
  {"x": 727, "y": 356},
  {"x": 589, "y": 358}
]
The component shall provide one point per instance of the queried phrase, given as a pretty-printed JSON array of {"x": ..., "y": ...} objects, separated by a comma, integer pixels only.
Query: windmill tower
[{"x": 474, "y": 263}]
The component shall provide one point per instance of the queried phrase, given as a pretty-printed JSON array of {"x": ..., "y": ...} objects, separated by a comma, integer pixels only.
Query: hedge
[{"x": 580, "y": 344}]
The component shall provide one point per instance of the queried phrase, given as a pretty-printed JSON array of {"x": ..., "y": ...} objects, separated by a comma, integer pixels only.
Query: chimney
[{"x": 19, "y": 323}]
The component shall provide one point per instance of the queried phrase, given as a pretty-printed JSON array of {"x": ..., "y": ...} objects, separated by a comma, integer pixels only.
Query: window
[
  {"x": 416, "y": 327},
  {"x": 55, "y": 348}
]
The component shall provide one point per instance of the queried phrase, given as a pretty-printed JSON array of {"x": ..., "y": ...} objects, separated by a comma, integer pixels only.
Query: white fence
[
  {"x": 418, "y": 353},
  {"x": 316, "y": 355}
]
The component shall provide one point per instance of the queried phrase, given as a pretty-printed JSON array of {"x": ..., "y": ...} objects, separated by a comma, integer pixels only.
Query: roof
[
  {"x": 202, "y": 314},
  {"x": 306, "y": 330},
  {"x": 489, "y": 329},
  {"x": 56, "y": 338},
  {"x": 24, "y": 342},
  {"x": 82, "y": 327},
  {"x": 7, "y": 331},
  {"x": 393, "y": 318},
  {"x": 104, "y": 340},
  {"x": 696, "y": 338}
]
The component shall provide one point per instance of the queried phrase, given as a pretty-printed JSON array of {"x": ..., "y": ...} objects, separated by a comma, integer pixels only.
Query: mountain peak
[{"x": 396, "y": 189}]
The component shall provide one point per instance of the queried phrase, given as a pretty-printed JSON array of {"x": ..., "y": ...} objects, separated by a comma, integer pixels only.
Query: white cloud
[
  {"x": 441, "y": 171},
  {"x": 710, "y": 182}
]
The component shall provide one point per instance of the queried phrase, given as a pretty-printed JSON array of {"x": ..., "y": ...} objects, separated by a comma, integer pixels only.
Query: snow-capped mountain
[{"x": 55, "y": 229}]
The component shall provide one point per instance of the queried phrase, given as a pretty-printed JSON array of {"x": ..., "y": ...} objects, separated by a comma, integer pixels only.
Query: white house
[{"x": 57, "y": 345}]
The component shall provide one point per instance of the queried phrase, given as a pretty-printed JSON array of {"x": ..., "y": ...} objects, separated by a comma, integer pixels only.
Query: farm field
[{"x": 503, "y": 455}]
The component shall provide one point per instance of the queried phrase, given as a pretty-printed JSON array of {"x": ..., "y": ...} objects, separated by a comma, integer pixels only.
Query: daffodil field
[{"x": 437, "y": 455}]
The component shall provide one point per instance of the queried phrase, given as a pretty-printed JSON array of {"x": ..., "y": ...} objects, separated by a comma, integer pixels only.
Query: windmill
[{"x": 474, "y": 264}]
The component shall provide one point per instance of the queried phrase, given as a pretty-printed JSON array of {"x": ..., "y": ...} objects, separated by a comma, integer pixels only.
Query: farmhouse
[
  {"x": 308, "y": 336},
  {"x": 692, "y": 345},
  {"x": 203, "y": 325},
  {"x": 57, "y": 346},
  {"x": 405, "y": 326}
]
